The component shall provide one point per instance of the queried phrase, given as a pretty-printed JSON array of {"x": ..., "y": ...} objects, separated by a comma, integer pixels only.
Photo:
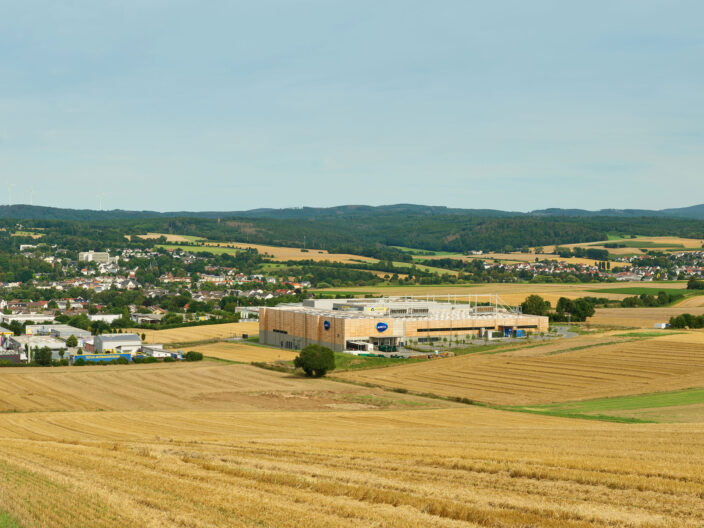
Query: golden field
[
  {"x": 191, "y": 334},
  {"x": 211, "y": 444},
  {"x": 643, "y": 317},
  {"x": 290, "y": 253},
  {"x": 244, "y": 353},
  {"x": 170, "y": 237},
  {"x": 468, "y": 467},
  {"x": 572, "y": 369},
  {"x": 204, "y": 386},
  {"x": 666, "y": 242},
  {"x": 514, "y": 293}
]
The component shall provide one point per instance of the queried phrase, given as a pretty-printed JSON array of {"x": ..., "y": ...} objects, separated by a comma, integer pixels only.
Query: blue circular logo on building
[
  {"x": 326, "y": 325},
  {"x": 381, "y": 327}
]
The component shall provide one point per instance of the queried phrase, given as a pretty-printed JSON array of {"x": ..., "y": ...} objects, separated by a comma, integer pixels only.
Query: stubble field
[
  {"x": 516, "y": 293},
  {"x": 468, "y": 467},
  {"x": 244, "y": 352},
  {"x": 574, "y": 369},
  {"x": 278, "y": 253},
  {"x": 190, "y": 334},
  {"x": 212, "y": 444},
  {"x": 641, "y": 317}
]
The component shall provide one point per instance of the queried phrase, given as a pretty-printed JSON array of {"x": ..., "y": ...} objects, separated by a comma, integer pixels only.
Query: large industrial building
[{"x": 386, "y": 323}]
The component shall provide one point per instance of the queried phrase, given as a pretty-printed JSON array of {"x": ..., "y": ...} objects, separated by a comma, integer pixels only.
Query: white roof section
[
  {"x": 39, "y": 341},
  {"x": 117, "y": 338},
  {"x": 432, "y": 310}
]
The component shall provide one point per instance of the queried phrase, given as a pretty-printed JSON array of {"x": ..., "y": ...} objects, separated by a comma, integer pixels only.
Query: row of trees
[
  {"x": 687, "y": 321},
  {"x": 695, "y": 284},
  {"x": 567, "y": 309},
  {"x": 663, "y": 298}
]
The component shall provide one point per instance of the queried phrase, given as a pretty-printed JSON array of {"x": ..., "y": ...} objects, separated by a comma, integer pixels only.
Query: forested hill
[
  {"x": 364, "y": 231},
  {"x": 24, "y": 212}
]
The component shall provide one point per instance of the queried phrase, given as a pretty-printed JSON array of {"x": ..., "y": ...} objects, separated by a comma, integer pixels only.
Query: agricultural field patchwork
[
  {"x": 633, "y": 245},
  {"x": 280, "y": 254},
  {"x": 213, "y": 443},
  {"x": 516, "y": 293},
  {"x": 641, "y": 317},
  {"x": 573, "y": 369}
]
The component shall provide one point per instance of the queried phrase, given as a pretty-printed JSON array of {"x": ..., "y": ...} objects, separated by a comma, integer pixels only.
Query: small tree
[
  {"x": 42, "y": 356},
  {"x": 72, "y": 341},
  {"x": 315, "y": 360},
  {"x": 194, "y": 356},
  {"x": 535, "y": 305}
]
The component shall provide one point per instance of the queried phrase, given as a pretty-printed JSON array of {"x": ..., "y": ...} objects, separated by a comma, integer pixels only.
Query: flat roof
[
  {"x": 431, "y": 316},
  {"x": 118, "y": 337},
  {"x": 39, "y": 341},
  {"x": 65, "y": 327}
]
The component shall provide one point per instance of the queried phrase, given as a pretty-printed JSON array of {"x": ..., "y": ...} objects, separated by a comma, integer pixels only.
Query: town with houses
[{"x": 88, "y": 292}]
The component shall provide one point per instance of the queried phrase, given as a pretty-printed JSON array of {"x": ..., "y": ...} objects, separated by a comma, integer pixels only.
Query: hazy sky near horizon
[{"x": 514, "y": 105}]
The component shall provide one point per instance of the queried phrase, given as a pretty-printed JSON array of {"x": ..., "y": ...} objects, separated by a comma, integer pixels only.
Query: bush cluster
[{"x": 687, "y": 321}]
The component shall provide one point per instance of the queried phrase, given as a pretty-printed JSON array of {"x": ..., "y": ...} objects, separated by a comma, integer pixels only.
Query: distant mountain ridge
[{"x": 35, "y": 212}]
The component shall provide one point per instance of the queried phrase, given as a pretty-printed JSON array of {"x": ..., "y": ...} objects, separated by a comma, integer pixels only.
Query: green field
[
  {"x": 426, "y": 252},
  {"x": 658, "y": 333},
  {"x": 631, "y": 243},
  {"x": 350, "y": 361},
  {"x": 7, "y": 521},
  {"x": 638, "y": 407},
  {"x": 429, "y": 269}
]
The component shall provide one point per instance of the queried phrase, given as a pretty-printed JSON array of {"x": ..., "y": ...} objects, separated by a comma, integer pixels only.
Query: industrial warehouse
[{"x": 387, "y": 323}]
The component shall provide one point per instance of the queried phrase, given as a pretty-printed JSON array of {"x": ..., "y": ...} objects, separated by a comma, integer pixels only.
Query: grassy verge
[
  {"x": 595, "y": 409},
  {"x": 644, "y": 335},
  {"x": 8, "y": 521},
  {"x": 186, "y": 344},
  {"x": 351, "y": 362}
]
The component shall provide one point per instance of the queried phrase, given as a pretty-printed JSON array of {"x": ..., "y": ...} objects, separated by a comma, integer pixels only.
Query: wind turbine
[
  {"x": 9, "y": 193},
  {"x": 100, "y": 201}
]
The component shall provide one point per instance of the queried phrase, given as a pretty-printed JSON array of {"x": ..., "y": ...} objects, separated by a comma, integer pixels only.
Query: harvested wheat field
[
  {"x": 695, "y": 301},
  {"x": 193, "y": 334},
  {"x": 170, "y": 238},
  {"x": 644, "y": 241},
  {"x": 206, "y": 385},
  {"x": 569, "y": 370},
  {"x": 279, "y": 254},
  {"x": 515, "y": 293},
  {"x": 244, "y": 352},
  {"x": 469, "y": 467},
  {"x": 640, "y": 317}
]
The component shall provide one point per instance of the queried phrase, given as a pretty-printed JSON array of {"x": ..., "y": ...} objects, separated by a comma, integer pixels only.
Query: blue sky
[{"x": 514, "y": 105}]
